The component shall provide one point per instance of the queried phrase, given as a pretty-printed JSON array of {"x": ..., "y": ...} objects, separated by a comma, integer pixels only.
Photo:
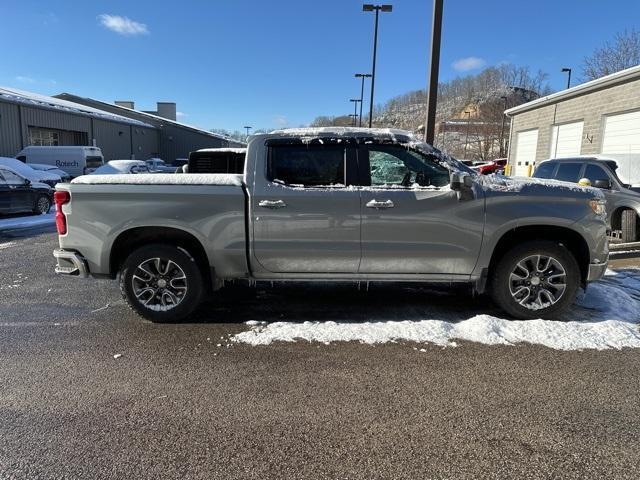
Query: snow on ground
[
  {"x": 28, "y": 221},
  {"x": 611, "y": 309}
]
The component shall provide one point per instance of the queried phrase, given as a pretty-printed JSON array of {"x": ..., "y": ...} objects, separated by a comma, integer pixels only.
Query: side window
[
  {"x": 594, "y": 172},
  {"x": 12, "y": 178},
  {"x": 545, "y": 170},
  {"x": 569, "y": 172},
  {"x": 307, "y": 165},
  {"x": 2, "y": 180},
  {"x": 397, "y": 167}
]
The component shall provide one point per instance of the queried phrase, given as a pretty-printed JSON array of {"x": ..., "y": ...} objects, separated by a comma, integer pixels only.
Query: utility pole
[
  {"x": 466, "y": 138},
  {"x": 247, "y": 127},
  {"x": 434, "y": 70},
  {"x": 355, "y": 109},
  {"x": 377, "y": 8},
  {"x": 363, "y": 76},
  {"x": 502, "y": 128}
]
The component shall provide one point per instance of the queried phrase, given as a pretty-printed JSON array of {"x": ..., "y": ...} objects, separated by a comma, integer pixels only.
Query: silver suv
[{"x": 622, "y": 200}]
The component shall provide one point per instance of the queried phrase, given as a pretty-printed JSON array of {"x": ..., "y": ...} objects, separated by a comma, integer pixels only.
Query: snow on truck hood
[
  {"x": 499, "y": 183},
  {"x": 162, "y": 179}
]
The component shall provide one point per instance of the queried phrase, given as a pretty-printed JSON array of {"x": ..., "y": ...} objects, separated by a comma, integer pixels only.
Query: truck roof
[{"x": 401, "y": 136}]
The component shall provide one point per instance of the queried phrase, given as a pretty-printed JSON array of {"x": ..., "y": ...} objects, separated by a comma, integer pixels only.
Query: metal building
[
  {"x": 176, "y": 139},
  {"x": 122, "y": 133},
  {"x": 31, "y": 119}
]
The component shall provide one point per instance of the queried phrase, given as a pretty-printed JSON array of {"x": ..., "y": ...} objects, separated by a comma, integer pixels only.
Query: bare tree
[{"x": 623, "y": 53}]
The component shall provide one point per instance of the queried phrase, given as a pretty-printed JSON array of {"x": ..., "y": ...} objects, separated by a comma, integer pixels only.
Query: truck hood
[{"x": 498, "y": 184}]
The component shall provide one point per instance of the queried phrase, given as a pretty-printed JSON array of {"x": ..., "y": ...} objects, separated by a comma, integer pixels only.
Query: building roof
[
  {"x": 622, "y": 76},
  {"x": 13, "y": 95},
  {"x": 153, "y": 117}
]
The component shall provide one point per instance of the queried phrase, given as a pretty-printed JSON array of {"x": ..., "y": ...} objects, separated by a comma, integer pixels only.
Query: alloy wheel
[{"x": 537, "y": 282}]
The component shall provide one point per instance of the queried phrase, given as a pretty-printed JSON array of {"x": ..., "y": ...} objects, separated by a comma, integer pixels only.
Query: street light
[
  {"x": 367, "y": 7},
  {"x": 354, "y": 116},
  {"x": 248, "y": 128},
  {"x": 502, "y": 128},
  {"x": 355, "y": 108},
  {"x": 363, "y": 76},
  {"x": 567, "y": 70},
  {"x": 466, "y": 138}
]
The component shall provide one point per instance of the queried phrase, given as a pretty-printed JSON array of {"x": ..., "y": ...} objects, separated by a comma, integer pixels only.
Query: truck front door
[
  {"x": 412, "y": 223},
  {"x": 306, "y": 216}
]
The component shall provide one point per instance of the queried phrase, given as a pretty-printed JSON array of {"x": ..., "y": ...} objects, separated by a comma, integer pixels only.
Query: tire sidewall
[
  {"x": 194, "y": 282},
  {"x": 500, "y": 288}
]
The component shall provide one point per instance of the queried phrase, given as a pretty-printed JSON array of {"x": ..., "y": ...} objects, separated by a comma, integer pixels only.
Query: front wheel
[
  {"x": 535, "y": 280},
  {"x": 161, "y": 283}
]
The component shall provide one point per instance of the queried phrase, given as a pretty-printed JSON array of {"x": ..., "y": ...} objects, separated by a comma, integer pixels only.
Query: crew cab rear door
[
  {"x": 305, "y": 214},
  {"x": 412, "y": 222}
]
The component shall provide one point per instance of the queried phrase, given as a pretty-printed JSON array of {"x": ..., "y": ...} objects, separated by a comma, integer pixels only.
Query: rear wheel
[
  {"x": 535, "y": 280},
  {"x": 629, "y": 226},
  {"x": 42, "y": 205},
  {"x": 161, "y": 283}
]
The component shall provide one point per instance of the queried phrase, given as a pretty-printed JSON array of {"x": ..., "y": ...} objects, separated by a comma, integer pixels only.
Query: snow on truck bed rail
[{"x": 228, "y": 179}]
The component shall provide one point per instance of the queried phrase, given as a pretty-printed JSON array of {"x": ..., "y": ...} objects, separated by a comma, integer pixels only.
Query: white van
[{"x": 75, "y": 161}]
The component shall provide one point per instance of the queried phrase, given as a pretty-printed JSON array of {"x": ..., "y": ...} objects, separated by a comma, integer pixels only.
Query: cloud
[
  {"x": 468, "y": 63},
  {"x": 122, "y": 25},
  {"x": 281, "y": 120},
  {"x": 25, "y": 79}
]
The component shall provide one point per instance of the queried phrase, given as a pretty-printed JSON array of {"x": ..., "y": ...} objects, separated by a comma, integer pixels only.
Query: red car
[{"x": 494, "y": 166}]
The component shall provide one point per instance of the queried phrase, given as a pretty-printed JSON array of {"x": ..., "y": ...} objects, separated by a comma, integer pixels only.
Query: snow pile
[
  {"x": 26, "y": 222},
  {"x": 613, "y": 305},
  {"x": 500, "y": 183},
  {"x": 220, "y": 179}
]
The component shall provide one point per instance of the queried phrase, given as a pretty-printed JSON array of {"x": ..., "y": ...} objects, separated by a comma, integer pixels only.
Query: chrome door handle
[
  {"x": 274, "y": 204},
  {"x": 377, "y": 204}
]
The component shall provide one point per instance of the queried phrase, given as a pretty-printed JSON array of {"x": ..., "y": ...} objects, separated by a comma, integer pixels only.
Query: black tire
[
  {"x": 629, "y": 226},
  {"x": 182, "y": 264},
  {"x": 42, "y": 205},
  {"x": 500, "y": 280}
]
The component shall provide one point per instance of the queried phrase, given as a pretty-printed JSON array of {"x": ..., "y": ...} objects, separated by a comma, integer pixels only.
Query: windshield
[{"x": 445, "y": 159}]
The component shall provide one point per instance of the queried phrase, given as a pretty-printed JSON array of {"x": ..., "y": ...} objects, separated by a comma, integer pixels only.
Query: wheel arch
[
  {"x": 133, "y": 238},
  {"x": 616, "y": 216},
  {"x": 572, "y": 240}
]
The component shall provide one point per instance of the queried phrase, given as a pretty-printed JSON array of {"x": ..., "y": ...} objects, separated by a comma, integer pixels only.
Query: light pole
[
  {"x": 363, "y": 76},
  {"x": 367, "y": 7},
  {"x": 432, "y": 90},
  {"x": 502, "y": 128},
  {"x": 567, "y": 70},
  {"x": 248, "y": 128},
  {"x": 354, "y": 116},
  {"x": 355, "y": 108},
  {"x": 466, "y": 138}
]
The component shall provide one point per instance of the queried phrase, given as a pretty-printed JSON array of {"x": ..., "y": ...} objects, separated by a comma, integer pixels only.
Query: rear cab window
[{"x": 311, "y": 165}]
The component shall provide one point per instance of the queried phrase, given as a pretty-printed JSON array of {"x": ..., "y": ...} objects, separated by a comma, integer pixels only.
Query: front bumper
[
  {"x": 70, "y": 263},
  {"x": 596, "y": 271}
]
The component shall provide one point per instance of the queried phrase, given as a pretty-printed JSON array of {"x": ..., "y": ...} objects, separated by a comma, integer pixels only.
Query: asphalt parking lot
[{"x": 184, "y": 401}]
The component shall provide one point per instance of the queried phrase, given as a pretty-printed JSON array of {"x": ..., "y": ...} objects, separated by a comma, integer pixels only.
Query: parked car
[
  {"x": 48, "y": 168},
  {"x": 217, "y": 160},
  {"x": 309, "y": 208},
  {"x": 75, "y": 160},
  {"x": 122, "y": 167},
  {"x": 19, "y": 194},
  {"x": 160, "y": 166},
  {"x": 494, "y": 166},
  {"x": 27, "y": 172},
  {"x": 623, "y": 200}
]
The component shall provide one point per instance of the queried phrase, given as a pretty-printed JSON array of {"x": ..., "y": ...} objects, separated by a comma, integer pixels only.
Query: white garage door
[
  {"x": 566, "y": 140},
  {"x": 526, "y": 146},
  {"x": 621, "y": 133}
]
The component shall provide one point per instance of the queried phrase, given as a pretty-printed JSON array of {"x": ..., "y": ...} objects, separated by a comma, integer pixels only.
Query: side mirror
[{"x": 606, "y": 184}]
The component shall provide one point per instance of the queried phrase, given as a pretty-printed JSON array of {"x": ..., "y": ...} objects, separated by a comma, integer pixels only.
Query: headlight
[{"x": 598, "y": 206}]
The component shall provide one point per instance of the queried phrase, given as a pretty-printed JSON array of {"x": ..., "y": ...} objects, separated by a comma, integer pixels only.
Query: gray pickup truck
[{"x": 333, "y": 204}]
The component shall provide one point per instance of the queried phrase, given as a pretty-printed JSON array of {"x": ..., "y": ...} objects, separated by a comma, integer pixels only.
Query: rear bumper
[
  {"x": 70, "y": 263},
  {"x": 596, "y": 271}
]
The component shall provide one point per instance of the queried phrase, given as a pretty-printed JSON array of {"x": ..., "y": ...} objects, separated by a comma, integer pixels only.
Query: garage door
[
  {"x": 566, "y": 140},
  {"x": 621, "y": 133},
  {"x": 526, "y": 145}
]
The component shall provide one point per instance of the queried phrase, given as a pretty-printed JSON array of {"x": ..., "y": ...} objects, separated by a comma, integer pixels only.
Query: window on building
[{"x": 43, "y": 137}]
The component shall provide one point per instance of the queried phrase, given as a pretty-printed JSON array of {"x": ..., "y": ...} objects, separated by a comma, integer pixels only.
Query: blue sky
[{"x": 229, "y": 63}]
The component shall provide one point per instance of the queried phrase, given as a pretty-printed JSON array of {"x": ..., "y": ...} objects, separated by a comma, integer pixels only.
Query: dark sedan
[{"x": 17, "y": 194}]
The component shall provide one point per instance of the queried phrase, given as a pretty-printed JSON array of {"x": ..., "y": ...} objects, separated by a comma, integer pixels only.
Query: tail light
[{"x": 60, "y": 198}]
